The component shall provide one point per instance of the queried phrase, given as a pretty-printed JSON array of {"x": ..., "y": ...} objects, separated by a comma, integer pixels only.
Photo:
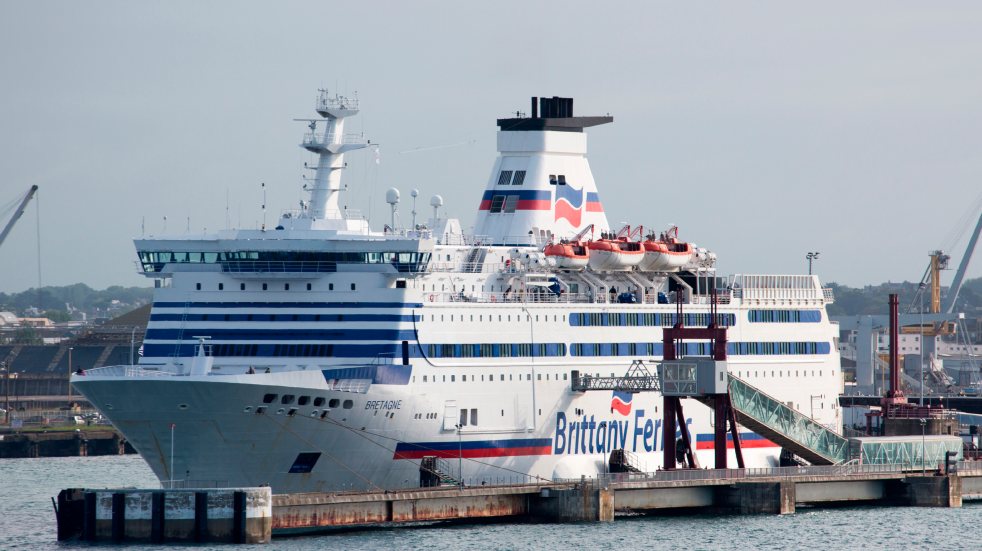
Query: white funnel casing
[{"x": 541, "y": 181}]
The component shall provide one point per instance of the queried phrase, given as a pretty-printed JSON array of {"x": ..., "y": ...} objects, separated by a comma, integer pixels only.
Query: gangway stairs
[
  {"x": 783, "y": 425},
  {"x": 754, "y": 409}
]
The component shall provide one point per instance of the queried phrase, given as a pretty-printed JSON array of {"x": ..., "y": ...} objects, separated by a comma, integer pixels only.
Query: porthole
[
  {"x": 287, "y": 399},
  {"x": 109, "y": 406},
  {"x": 303, "y": 400},
  {"x": 182, "y": 407},
  {"x": 333, "y": 403},
  {"x": 319, "y": 401},
  {"x": 269, "y": 398},
  {"x": 348, "y": 404},
  {"x": 247, "y": 409}
]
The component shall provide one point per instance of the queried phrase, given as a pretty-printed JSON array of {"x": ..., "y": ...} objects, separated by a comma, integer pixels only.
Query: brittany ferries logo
[
  {"x": 569, "y": 204},
  {"x": 621, "y": 402}
]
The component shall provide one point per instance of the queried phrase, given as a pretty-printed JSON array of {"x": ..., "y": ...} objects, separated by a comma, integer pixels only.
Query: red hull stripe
[
  {"x": 594, "y": 206},
  {"x": 474, "y": 453},
  {"x": 747, "y": 440}
]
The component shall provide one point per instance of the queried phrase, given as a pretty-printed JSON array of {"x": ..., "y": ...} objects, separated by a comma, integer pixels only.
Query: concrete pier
[
  {"x": 63, "y": 444},
  {"x": 242, "y": 515},
  {"x": 253, "y": 515}
]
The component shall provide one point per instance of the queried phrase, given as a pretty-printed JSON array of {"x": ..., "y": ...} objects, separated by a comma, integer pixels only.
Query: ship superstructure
[{"x": 322, "y": 355}]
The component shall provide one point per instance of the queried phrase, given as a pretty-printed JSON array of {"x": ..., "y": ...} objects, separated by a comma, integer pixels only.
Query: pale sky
[{"x": 763, "y": 129}]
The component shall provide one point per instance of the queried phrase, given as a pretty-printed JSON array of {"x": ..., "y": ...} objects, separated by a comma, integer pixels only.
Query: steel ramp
[{"x": 783, "y": 425}]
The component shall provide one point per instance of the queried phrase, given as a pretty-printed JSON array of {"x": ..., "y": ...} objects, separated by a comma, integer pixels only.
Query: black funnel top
[{"x": 554, "y": 114}]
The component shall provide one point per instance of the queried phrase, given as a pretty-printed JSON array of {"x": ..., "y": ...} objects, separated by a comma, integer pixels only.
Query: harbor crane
[{"x": 18, "y": 213}]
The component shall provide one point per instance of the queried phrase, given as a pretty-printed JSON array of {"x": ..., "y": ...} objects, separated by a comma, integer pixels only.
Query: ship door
[{"x": 450, "y": 415}]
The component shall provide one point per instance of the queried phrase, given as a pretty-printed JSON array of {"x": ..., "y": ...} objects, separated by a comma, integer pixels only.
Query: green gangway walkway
[{"x": 774, "y": 420}]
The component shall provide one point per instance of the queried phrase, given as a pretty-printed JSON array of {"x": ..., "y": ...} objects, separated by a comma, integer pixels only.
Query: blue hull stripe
[
  {"x": 282, "y": 334},
  {"x": 393, "y": 350},
  {"x": 285, "y": 317},
  {"x": 287, "y": 305}
]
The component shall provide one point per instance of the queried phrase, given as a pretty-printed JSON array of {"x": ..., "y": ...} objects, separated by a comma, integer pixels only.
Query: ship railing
[
  {"x": 192, "y": 484},
  {"x": 331, "y": 138},
  {"x": 850, "y": 469},
  {"x": 828, "y": 294},
  {"x": 513, "y": 297}
]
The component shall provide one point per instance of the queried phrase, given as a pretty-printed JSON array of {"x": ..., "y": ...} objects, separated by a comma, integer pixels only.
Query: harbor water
[{"x": 27, "y": 521}]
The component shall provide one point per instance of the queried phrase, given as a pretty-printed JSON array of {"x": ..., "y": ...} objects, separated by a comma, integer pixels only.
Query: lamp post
[
  {"x": 70, "y": 377},
  {"x": 6, "y": 392},
  {"x": 811, "y": 256},
  {"x": 921, "y": 341},
  {"x": 923, "y": 447}
]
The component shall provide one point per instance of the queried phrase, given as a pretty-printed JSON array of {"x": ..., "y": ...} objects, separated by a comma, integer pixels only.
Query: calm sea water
[{"x": 27, "y": 521}]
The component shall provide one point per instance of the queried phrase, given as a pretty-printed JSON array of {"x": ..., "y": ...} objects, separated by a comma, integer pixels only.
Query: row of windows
[
  {"x": 508, "y": 177},
  {"x": 490, "y": 377},
  {"x": 523, "y": 350},
  {"x": 286, "y": 286},
  {"x": 622, "y": 349},
  {"x": 287, "y": 350},
  {"x": 319, "y": 401},
  {"x": 785, "y": 316},
  {"x": 666, "y": 319},
  {"x": 284, "y": 261}
]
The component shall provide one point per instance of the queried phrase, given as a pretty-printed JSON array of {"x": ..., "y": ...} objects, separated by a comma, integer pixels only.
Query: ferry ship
[{"x": 322, "y": 355}]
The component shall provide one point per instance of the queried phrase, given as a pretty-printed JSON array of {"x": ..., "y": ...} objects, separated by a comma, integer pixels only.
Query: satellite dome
[
  {"x": 392, "y": 196},
  {"x": 436, "y": 201}
]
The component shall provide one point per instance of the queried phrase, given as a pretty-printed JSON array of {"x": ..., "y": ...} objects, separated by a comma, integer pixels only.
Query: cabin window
[
  {"x": 221, "y": 286},
  {"x": 348, "y": 404},
  {"x": 319, "y": 401},
  {"x": 265, "y": 286},
  {"x": 286, "y": 286},
  {"x": 562, "y": 179},
  {"x": 400, "y": 284},
  {"x": 552, "y": 179},
  {"x": 511, "y": 203},
  {"x": 504, "y": 178},
  {"x": 474, "y": 417},
  {"x": 519, "y": 178},
  {"x": 197, "y": 286},
  {"x": 304, "y": 400},
  {"x": 333, "y": 403},
  {"x": 308, "y": 286},
  {"x": 269, "y": 398},
  {"x": 352, "y": 286},
  {"x": 242, "y": 286},
  {"x": 287, "y": 399},
  {"x": 497, "y": 203},
  {"x": 330, "y": 286},
  {"x": 463, "y": 418}
]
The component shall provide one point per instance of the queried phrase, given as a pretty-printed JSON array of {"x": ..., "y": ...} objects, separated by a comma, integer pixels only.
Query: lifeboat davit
[
  {"x": 614, "y": 255},
  {"x": 568, "y": 256},
  {"x": 665, "y": 255}
]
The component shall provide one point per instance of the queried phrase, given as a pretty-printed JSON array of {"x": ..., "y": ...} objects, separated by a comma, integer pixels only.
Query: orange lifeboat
[
  {"x": 665, "y": 254},
  {"x": 568, "y": 255},
  {"x": 615, "y": 255}
]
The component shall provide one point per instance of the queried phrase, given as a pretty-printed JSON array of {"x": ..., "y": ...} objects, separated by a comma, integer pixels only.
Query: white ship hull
[{"x": 332, "y": 357}]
